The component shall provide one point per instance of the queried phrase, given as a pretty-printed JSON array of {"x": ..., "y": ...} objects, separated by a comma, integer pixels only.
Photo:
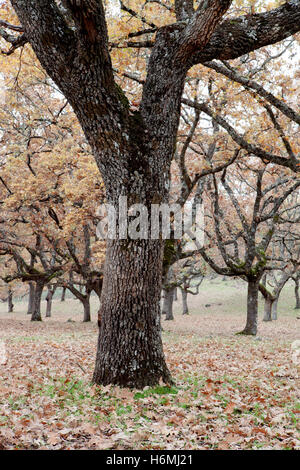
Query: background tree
[
  {"x": 286, "y": 254},
  {"x": 38, "y": 140},
  {"x": 187, "y": 274},
  {"x": 240, "y": 225}
]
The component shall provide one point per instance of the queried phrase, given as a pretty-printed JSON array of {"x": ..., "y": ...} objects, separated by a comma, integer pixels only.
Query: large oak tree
[{"x": 134, "y": 150}]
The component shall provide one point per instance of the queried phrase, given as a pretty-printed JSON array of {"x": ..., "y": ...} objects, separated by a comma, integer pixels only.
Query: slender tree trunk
[
  {"x": 268, "y": 309},
  {"x": 130, "y": 303},
  {"x": 185, "y": 308},
  {"x": 168, "y": 304},
  {"x": 252, "y": 308},
  {"x": 284, "y": 278},
  {"x": 63, "y": 294},
  {"x": 10, "y": 301},
  {"x": 49, "y": 298},
  {"x": 175, "y": 294},
  {"x": 274, "y": 309},
  {"x": 38, "y": 291},
  {"x": 86, "y": 308},
  {"x": 297, "y": 296},
  {"x": 30, "y": 298},
  {"x": 85, "y": 300}
]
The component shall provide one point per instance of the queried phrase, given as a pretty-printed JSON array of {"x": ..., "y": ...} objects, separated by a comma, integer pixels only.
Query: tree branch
[
  {"x": 201, "y": 26},
  {"x": 239, "y": 36},
  {"x": 238, "y": 138},
  {"x": 48, "y": 33},
  {"x": 249, "y": 84}
]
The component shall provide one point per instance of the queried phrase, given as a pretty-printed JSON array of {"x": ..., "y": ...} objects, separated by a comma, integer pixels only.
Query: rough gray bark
[
  {"x": 239, "y": 36},
  {"x": 133, "y": 286},
  {"x": 134, "y": 150}
]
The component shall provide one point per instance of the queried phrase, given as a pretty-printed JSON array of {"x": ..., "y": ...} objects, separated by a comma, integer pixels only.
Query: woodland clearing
[{"x": 231, "y": 392}]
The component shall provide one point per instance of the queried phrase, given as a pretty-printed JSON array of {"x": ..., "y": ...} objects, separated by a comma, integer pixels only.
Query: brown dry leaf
[
  {"x": 87, "y": 428},
  {"x": 39, "y": 378},
  {"x": 230, "y": 408},
  {"x": 53, "y": 438},
  {"x": 101, "y": 443},
  {"x": 124, "y": 393},
  {"x": 3, "y": 353}
]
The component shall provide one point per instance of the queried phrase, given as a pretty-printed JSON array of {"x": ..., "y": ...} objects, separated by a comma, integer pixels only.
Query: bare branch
[
  {"x": 247, "y": 83},
  {"x": 238, "y": 138}
]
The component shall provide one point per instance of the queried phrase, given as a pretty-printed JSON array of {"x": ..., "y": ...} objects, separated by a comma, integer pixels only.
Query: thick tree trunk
[
  {"x": 252, "y": 308},
  {"x": 10, "y": 301},
  {"x": 130, "y": 304},
  {"x": 63, "y": 294},
  {"x": 185, "y": 308},
  {"x": 30, "y": 298},
  {"x": 268, "y": 309},
  {"x": 297, "y": 296},
  {"x": 36, "y": 312}
]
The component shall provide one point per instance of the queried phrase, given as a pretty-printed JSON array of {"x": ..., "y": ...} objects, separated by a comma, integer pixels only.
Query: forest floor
[{"x": 232, "y": 392}]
